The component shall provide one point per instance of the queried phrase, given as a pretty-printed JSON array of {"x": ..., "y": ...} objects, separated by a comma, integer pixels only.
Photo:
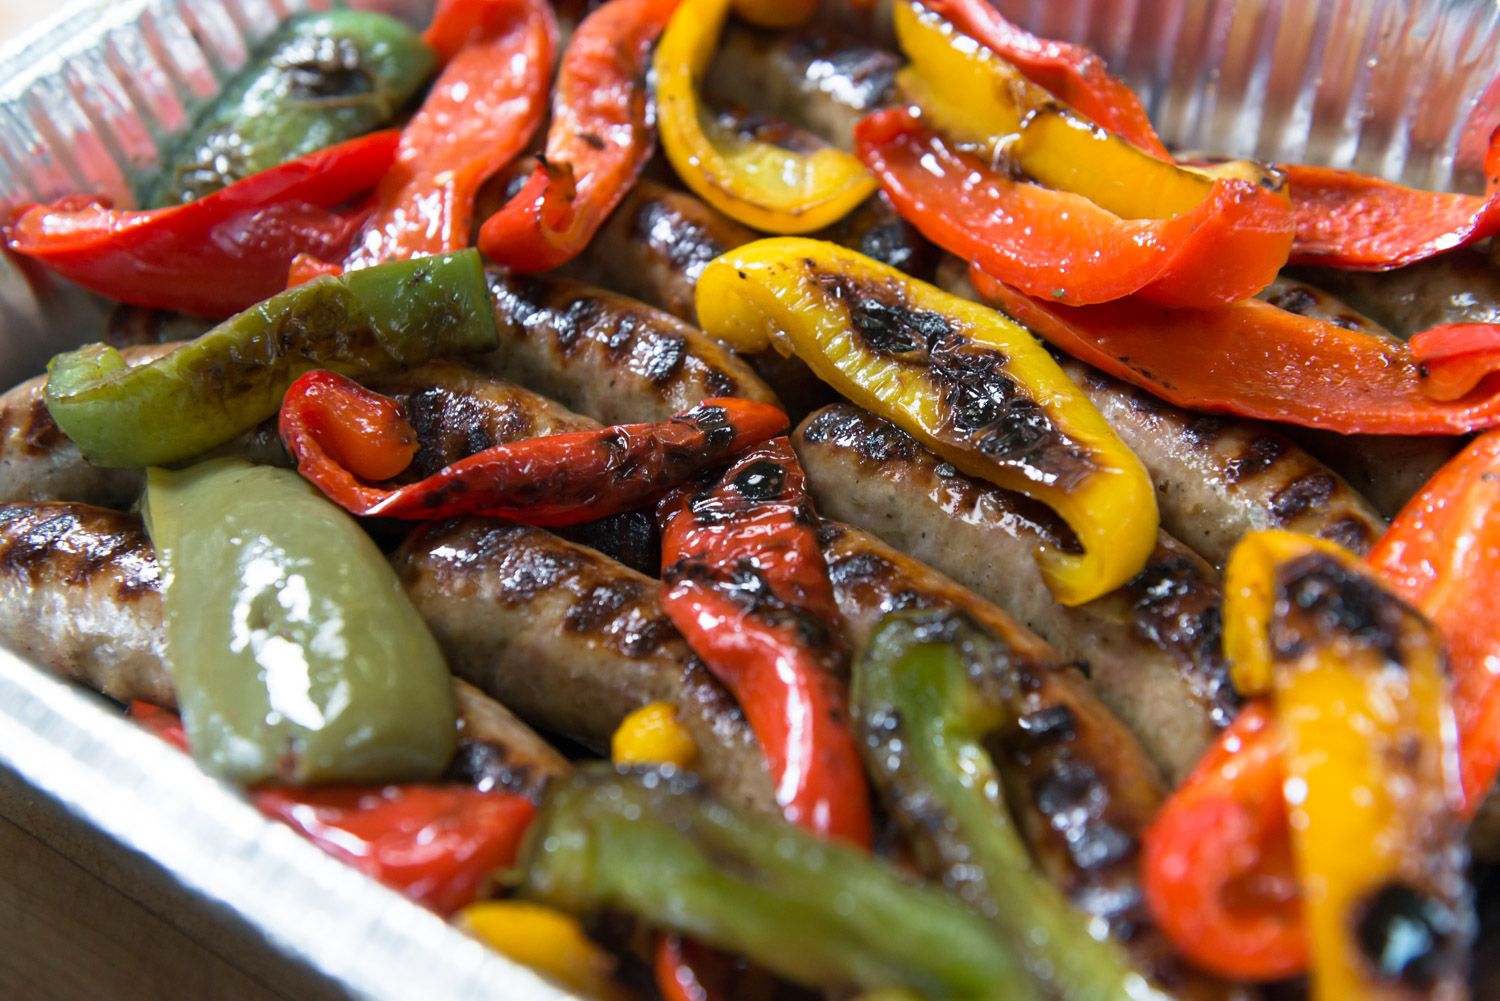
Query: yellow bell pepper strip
[
  {"x": 481, "y": 112},
  {"x": 652, "y": 735},
  {"x": 1075, "y": 75},
  {"x": 1255, "y": 360},
  {"x": 967, "y": 381},
  {"x": 1349, "y": 220},
  {"x": 1060, "y": 245},
  {"x": 775, "y": 13},
  {"x": 748, "y": 179},
  {"x": 1356, "y": 679},
  {"x": 547, "y": 940},
  {"x": 1442, "y": 554}
]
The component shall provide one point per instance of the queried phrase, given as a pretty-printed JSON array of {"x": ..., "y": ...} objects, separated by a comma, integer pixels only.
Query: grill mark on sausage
[
  {"x": 29, "y": 425},
  {"x": 1301, "y": 495},
  {"x": 1178, "y": 609},
  {"x": 73, "y": 545}
]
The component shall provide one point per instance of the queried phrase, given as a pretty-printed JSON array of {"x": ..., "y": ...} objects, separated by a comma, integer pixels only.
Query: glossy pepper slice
[
  {"x": 294, "y": 652},
  {"x": 1075, "y": 75},
  {"x": 600, "y": 137},
  {"x": 929, "y": 687},
  {"x": 1350, "y": 220},
  {"x": 233, "y": 377},
  {"x": 968, "y": 382},
  {"x": 755, "y": 182},
  {"x": 1357, "y": 682},
  {"x": 1064, "y": 247},
  {"x": 815, "y": 911},
  {"x": 319, "y": 79},
  {"x": 1442, "y": 554},
  {"x": 748, "y": 589},
  {"x": 1456, "y": 358},
  {"x": 436, "y": 844},
  {"x": 1217, "y": 860},
  {"x": 1254, "y": 360},
  {"x": 338, "y": 432},
  {"x": 219, "y": 254},
  {"x": 480, "y": 113}
]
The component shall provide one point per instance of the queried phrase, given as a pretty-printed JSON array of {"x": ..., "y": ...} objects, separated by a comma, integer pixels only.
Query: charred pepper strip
[
  {"x": 233, "y": 377},
  {"x": 1064, "y": 247},
  {"x": 1357, "y": 681},
  {"x": 1073, "y": 73},
  {"x": 600, "y": 137},
  {"x": 928, "y": 689},
  {"x": 966, "y": 381},
  {"x": 318, "y": 80},
  {"x": 817, "y": 912},
  {"x": 217, "y": 255},
  {"x": 1322, "y": 375},
  {"x": 561, "y": 479},
  {"x": 479, "y": 114},
  {"x": 436, "y": 844},
  {"x": 748, "y": 589},
  {"x": 755, "y": 182},
  {"x": 1442, "y": 554},
  {"x": 1349, "y": 220}
]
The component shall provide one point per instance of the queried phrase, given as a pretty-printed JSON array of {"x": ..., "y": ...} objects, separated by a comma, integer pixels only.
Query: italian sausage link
[
  {"x": 571, "y": 640},
  {"x": 1152, "y": 648},
  {"x": 608, "y": 356},
  {"x": 1457, "y": 287},
  {"x": 80, "y": 594}
]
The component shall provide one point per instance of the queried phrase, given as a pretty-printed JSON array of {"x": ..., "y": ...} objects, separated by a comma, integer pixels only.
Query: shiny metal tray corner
[{"x": 1403, "y": 88}]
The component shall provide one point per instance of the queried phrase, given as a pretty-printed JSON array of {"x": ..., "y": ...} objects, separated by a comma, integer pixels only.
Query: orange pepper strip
[{"x": 1254, "y": 360}]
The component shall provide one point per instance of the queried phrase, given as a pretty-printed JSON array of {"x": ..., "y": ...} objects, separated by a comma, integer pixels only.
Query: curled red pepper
[
  {"x": 1062, "y": 247},
  {"x": 341, "y": 433},
  {"x": 748, "y": 589},
  {"x": 1252, "y": 359},
  {"x": 219, "y": 254},
  {"x": 480, "y": 113},
  {"x": 1442, "y": 554},
  {"x": 1457, "y": 357},
  {"x": 600, "y": 137},
  {"x": 438, "y": 845},
  {"x": 1350, "y": 220},
  {"x": 1217, "y": 865},
  {"x": 1073, "y": 73}
]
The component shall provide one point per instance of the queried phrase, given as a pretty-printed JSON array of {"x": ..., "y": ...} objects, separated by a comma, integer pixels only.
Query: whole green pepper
[
  {"x": 295, "y": 654},
  {"x": 225, "y": 382},
  {"x": 318, "y": 80},
  {"x": 927, "y": 689},
  {"x": 817, "y": 912}
]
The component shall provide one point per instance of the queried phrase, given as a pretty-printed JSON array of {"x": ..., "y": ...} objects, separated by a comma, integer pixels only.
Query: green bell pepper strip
[
  {"x": 295, "y": 654},
  {"x": 320, "y": 79},
  {"x": 225, "y": 382},
  {"x": 817, "y": 912},
  {"x": 928, "y": 688}
]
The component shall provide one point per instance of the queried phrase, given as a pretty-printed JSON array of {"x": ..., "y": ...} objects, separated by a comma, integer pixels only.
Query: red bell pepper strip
[
  {"x": 1457, "y": 357},
  {"x": 339, "y": 433},
  {"x": 748, "y": 589},
  {"x": 437, "y": 845},
  {"x": 600, "y": 137},
  {"x": 217, "y": 255},
  {"x": 1442, "y": 554},
  {"x": 1349, "y": 220},
  {"x": 1254, "y": 360},
  {"x": 1218, "y": 872},
  {"x": 1073, "y": 73},
  {"x": 480, "y": 113},
  {"x": 1061, "y": 246}
]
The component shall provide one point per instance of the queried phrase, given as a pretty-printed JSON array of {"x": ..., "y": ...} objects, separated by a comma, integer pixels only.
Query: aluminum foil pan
[{"x": 1402, "y": 88}]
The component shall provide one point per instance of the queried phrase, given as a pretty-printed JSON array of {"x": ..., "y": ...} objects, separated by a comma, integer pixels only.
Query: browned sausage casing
[
  {"x": 1152, "y": 647},
  {"x": 571, "y": 640},
  {"x": 80, "y": 593}
]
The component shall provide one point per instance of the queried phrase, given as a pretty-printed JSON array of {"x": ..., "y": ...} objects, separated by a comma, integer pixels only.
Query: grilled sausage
[
  {"x": 80, "y": 594},
  {"x": 1217, "y": 478},
  {"x": 571, "y": 640},
  {"x": 1080, "y": 785},
  {"x": 1457, "y": 287},
  {"x": 1152, "y": 647},
  {"x": 608, "y": 356}
]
